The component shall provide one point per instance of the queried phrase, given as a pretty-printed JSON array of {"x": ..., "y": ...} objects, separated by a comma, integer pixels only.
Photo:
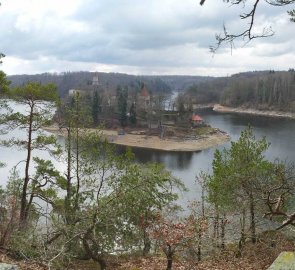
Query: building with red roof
[{"x": 197, "y": 120}]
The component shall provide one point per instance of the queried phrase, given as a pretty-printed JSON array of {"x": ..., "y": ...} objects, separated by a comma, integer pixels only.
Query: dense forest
[
  {"x": 109, "y": 81},
  {"x": 260, "y": 90}
]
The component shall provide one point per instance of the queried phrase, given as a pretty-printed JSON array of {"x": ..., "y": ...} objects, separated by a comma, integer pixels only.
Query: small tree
[
  {"x": 171, "y": 234},
  {"x": 39, "y": 102},
  {"x": 236, "y": 174}
]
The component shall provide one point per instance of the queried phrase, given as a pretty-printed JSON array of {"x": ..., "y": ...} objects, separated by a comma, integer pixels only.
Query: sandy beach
[
  {"x": 220, "y": 108},
  {"x": 154, "y": 142}
]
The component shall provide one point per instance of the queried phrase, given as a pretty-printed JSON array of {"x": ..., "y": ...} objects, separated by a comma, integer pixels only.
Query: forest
[
  {"x": 263, "y": 90},
  {"x": 108, "y": 212},
  {"x": 108, "y": 81}
]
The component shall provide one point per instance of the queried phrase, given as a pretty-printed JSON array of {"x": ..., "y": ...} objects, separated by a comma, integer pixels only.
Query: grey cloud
[{"x": 136, "y": 33}]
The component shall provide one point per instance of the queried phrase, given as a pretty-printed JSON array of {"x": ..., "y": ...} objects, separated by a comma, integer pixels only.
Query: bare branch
[{"x": 247, "y": 35}]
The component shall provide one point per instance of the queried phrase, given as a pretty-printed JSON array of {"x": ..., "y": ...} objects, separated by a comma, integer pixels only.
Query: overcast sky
[{"x": 137, "y": 37}]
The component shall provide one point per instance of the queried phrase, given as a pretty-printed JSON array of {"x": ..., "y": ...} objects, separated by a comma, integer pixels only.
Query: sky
[{"x": 141, "y": 37}]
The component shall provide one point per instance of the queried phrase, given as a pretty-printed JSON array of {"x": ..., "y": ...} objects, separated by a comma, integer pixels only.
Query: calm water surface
[{"x": 279, "y": 132}]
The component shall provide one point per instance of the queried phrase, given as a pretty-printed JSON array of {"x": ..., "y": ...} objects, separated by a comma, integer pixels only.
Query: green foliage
[
  {"x": 75, "y": 113},
  {"x": 106, "y": 197},
  {"x": 33, "y": 91},
  {"x": 1, "y": 56},
  {"x": 4, "y": 83},
  {"x": 46, "y": 180},
  {"x": 292, "y": 14},
  {"x": 97, "y": 205},
  {"x": 203, "y": 130},
  {"x": 38, "y": 102},
  {"x": 238, "y": 171}
]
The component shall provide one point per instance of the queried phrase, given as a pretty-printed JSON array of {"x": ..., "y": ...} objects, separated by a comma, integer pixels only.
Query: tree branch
[{"x": 247, "y": 35}]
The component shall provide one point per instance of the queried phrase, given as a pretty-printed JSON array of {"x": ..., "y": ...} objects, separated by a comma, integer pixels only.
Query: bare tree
[{"x": 247, "y": 35}]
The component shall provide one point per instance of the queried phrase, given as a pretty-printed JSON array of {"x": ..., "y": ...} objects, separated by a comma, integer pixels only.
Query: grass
[{"x": 203, "y": 130}]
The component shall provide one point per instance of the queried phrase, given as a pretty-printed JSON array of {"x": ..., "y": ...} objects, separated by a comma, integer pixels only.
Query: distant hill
[
  {"x": 263, "y": 90},
  {"x": 109, "y": 81}
]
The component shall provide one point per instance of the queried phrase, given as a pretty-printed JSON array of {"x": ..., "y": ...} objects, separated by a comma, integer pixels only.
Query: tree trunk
[
  {"x": 102, "y": 263},
  {"x": 69, "y": 177},
  {"x": 23, "y": 207},
  {"x": 169, "y": 255},
  {"x": 199, "y": 253},
  {"x": 216, "y": 227},
  {"x": 222, "y": 238},
  {"x": 94, "y": 256},
  {"x": 147, "y": 244},
  {"x": 252, "y": 219},
  {"x": 243, "y": 236},
  {"x": 77, "y": 168}
]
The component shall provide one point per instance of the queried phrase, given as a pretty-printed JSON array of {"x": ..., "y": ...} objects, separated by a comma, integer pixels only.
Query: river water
[{"x": 279, "y": 132}]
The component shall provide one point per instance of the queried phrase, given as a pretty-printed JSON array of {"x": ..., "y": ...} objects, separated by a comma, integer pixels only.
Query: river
[{"x": 279, "y": 132}]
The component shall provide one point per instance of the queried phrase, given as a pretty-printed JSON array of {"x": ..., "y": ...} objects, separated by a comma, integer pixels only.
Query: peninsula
[{"x": 178, "y": 142}]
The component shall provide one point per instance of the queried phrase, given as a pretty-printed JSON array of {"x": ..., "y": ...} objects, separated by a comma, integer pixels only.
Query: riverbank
[
  {"x": 225, "y": 109},
  {"x": 176, "y": 144}
]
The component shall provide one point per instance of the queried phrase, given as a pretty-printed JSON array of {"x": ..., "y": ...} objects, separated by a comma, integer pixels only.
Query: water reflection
[{"x": 172, "y": 160}]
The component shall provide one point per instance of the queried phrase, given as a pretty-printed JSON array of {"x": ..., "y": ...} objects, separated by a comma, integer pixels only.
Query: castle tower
[{"x": 95, "y": 80}]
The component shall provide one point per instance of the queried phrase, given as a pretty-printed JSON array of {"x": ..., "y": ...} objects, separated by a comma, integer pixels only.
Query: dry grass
[{"x": 257, "y": 256}]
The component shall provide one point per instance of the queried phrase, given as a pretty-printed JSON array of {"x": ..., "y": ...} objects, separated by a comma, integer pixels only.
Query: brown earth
[
  {"x": 257, "y": 256},
  {"x": 179, "y": 140}
]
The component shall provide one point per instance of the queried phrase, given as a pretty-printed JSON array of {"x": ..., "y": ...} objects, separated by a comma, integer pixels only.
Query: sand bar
[{"x": 154, "y": 142}]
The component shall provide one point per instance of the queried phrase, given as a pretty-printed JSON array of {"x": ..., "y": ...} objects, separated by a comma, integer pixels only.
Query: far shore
[
  {"x": 270, "y": 113},
  {"x": 154, "y": 142}
]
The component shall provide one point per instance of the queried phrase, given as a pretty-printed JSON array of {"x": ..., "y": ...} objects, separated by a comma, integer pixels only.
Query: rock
[
  {"x": 285, "y": 261},
  {"x": 5, "y": 266}
]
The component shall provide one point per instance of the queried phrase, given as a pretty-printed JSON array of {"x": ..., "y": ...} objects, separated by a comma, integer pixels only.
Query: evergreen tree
[
  {"x": 4, "y": 83},
  {"x": 39, "y": 101},
  {"x": 96, "y": 107},
  {"x": 122, "y": 95},
  {"x": 132, "y": 113}
]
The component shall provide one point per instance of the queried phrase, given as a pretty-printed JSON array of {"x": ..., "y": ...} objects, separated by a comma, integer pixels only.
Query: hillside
[
  {"x": 261, "y": 90},
  {"x": 110, "y": 81}
]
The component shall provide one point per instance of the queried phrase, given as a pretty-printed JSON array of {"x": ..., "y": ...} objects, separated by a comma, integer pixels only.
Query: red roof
[
  {"x": 144, "y": 92},
  {"x": 196, "y": 117}
]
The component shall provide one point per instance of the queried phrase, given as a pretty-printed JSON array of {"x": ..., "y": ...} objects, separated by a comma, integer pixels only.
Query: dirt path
[{"x": 154, "y": 142}]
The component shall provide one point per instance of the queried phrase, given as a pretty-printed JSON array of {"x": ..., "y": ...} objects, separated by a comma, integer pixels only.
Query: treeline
[
  {"x": 108, "y": 81},
  {"x": 259, "y": 90}
]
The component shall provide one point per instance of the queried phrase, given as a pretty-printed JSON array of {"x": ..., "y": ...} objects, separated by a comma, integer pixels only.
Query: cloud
[{"x": 152, "y": 37}]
